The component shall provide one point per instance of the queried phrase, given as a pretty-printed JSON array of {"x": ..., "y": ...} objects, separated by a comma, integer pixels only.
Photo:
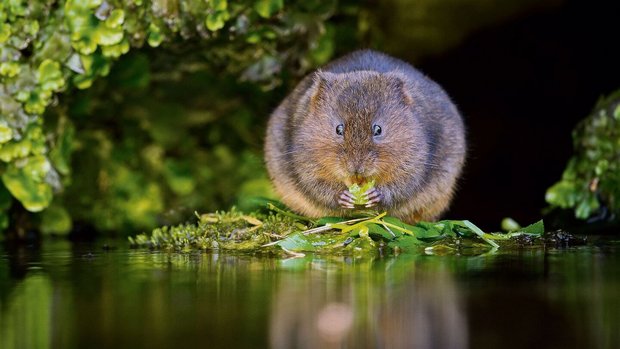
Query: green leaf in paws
[{"x": 358, "y": 192}]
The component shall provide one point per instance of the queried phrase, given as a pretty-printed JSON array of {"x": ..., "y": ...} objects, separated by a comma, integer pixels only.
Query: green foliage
[
  {"x": 231, "y": 230},
  {"x": 358, "y": 192},
  {"x": 55, "y": 220},
  {"x": 593, "y": 172},
  {"x": 117, "y": 157},
  {"x": 218, "y": 16},
  {"x": 267, "y": 8},
  {"x": 368, "y": 235},
  {"x": 25, "y": 179}
]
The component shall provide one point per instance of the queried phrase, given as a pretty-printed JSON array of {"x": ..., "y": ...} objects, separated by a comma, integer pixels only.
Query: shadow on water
[{"x": 78, "y": 296}]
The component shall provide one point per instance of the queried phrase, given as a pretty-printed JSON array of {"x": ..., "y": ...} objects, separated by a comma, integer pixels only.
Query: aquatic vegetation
[
  {"x": 590, "y": 184},
  {"x": 282, "y": 232},
  {"x": 53, "y": 56},
  {"x": 230, "y": 230}
]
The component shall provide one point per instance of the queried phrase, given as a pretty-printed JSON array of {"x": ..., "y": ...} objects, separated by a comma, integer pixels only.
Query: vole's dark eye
[
  {"x": 340, "y": 130},
  {"x": 376, "y": 130}
]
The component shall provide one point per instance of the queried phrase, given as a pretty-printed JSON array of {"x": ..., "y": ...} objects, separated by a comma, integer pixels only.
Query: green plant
[
  {"x": 592, "y": 175},
  {"x": 50, "y": 49}
]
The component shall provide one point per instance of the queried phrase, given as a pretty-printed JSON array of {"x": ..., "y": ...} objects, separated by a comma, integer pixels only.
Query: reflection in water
[
  {"x": 418, "y": 307},
  {"x": 70, "y": 296},
  {"x": 26, "y": 320}
]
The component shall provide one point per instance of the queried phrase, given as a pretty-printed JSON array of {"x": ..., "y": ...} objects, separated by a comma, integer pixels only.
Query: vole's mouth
[{"x": 356, "y": 179}]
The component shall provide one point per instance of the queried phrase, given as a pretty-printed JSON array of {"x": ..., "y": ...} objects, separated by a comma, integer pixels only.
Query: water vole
[{"x": 366, "y": 116}]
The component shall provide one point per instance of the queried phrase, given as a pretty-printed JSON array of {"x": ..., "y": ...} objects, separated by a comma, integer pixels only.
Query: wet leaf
[
  {"x": 381, "y": 231},
  {"x": 324, "y": 243},
  {"x": 537, "y": 228},
  {"x": 480, "y": 233},
  {"x": 406, "y": 244},
  {"x": 298, "y": 242}
]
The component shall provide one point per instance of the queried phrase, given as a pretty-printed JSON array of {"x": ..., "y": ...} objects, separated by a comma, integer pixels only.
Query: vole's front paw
[
  {"x": 346, "y": 200},
  {"x": 373, "y": 197}
]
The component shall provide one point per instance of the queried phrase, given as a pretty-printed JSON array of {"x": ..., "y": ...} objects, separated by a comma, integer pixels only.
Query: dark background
[{"x": 522, "y": 85}]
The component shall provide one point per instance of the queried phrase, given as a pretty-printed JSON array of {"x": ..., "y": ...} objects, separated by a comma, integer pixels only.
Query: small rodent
[{"x": 366, "y": 116}]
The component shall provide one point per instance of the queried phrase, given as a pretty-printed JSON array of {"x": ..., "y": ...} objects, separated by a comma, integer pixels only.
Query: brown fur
[{"x": 415, "y": 162}]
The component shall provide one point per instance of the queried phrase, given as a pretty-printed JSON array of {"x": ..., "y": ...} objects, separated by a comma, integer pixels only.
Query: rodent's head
[{"x": 359, "y": 126}]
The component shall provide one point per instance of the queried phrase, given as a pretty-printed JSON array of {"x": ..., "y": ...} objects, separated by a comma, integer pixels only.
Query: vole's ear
[
  {"x": 325, "y": 75},
  {"x": 400, "y": 80},
  {"x": 320, "y": 82}
]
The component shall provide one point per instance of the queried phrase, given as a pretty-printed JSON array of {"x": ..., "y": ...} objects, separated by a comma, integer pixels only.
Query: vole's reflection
[{"x": 357, "y": 307}]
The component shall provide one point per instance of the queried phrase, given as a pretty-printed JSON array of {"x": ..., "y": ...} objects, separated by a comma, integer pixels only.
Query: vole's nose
[{"x": 358, "y": 171}]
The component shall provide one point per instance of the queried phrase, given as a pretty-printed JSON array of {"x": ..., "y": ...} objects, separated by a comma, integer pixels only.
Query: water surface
[{"x": 63, "y": 295}]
